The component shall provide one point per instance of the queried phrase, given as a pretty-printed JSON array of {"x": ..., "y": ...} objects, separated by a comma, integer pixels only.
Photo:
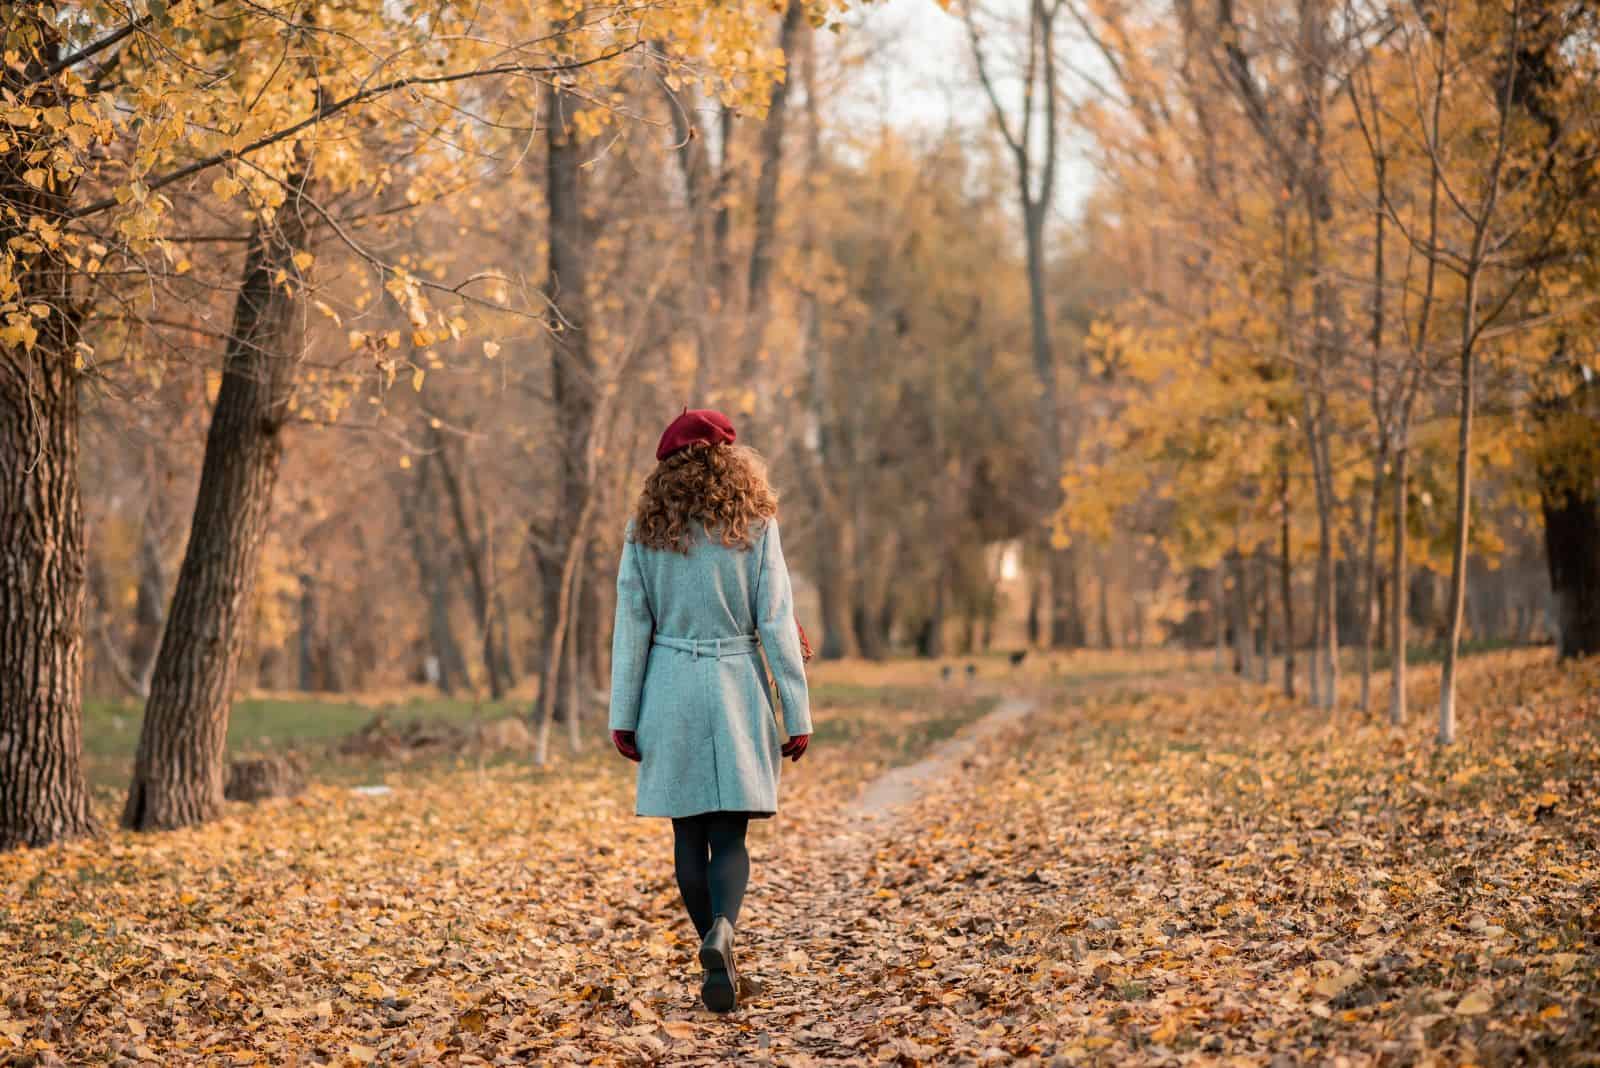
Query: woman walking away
[{"x": 702, "y": 581}]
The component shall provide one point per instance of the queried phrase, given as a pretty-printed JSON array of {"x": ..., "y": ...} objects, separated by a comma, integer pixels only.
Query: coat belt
[{"x": 716, "y": 648}]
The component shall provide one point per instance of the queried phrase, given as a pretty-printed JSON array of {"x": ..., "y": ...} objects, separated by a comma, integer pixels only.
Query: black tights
[{"x": 712, "y": 865}]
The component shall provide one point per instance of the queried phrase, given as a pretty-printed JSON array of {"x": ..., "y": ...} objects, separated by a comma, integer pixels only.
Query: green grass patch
[{"x": 256, "y": 724}]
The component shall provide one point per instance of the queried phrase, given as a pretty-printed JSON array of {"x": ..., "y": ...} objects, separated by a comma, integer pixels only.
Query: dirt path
[
  {"x": 896, "y": 788},
  {"x": 824, "y": 928}
]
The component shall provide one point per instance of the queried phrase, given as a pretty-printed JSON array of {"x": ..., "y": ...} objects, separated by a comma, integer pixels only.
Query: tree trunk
[
  {"x": 44, "y": 563},
  {"x": 766, "y": 196},
  {"x": 1066, "y": 625},
  {"x": 434, "y": 580},
  {"x": 1106, "y": 640},
  {"x": 1286, "y": 582},
  {"x": 1318, "y": 616},
  {"x": 930, "y": 640},
  {"x": 1035, "y": 628},
  {"x": 150, "y": 605},
  {"x": 309, "y": 677},
  {"x": 477, "y": 552},
  {"x": 1219, "y": 617},
  {"x": 1325, "y": 651},
  {"x": 1379, "y": 462},
  {"x": 1369, "y": 592},
  {"x": 178, "y": 772},
  {"x": 1066, "y": 616},
  {"x": 1382, "y": 627},
  {"x": 1239, "y": 618},
  {"x": 1458, "y": 560},
  {"x": 1264, "y": 666},
  {"x": 42, "y": 581},
  {"x": 1400, "y": 580},
  {"x": 833, "y": 588},
  {"x": 572, "y": 670},
  {"x": 572, "y": 371},
  {"x": 1569, "y": 497}
]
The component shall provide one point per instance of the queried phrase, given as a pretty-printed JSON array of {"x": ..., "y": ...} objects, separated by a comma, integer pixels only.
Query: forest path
[
  {"x": 850, "y": 948},
  {"x": 1114, "y": 862},
  {"x": 890, "y": 792}
]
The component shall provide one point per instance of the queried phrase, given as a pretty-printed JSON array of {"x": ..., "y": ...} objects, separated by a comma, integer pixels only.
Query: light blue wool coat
[{"x": 687, "y": 677}]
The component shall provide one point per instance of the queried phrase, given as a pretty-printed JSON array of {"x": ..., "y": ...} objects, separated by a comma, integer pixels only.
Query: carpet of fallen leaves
[{"x": 1165, "y": 870}]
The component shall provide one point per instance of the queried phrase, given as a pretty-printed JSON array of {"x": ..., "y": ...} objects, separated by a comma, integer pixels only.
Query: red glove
[
  {"x": 795, "y": 747},
  {"x": 626, "y": 745}
]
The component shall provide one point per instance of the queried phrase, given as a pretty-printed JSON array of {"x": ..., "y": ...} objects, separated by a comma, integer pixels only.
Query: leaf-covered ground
[{"x": 1146, "y": 869}]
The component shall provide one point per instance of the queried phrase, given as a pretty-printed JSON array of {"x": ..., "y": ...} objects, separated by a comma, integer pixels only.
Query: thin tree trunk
[
  {"x": 833, "y": 587},
  {"x": 177, "y": 776},
  {"x": 1106, "y": 641},
  {"x": 1369, "y": 591},
  {"x": 1035, "y": 629},
  {"x": 572, "y": 670},
  {"x": 307, "y": 644},
  {"x": 1383, "y": 611},
  {"x": 1458, "y": 560},
  {"x": 1318, "y": 618},
  {"x": 1380, "y": 460},
  {"x": 150, "y": 606},
  {"x": 1239, "y": 615},
  {"x": 557, "y": 625},
  {"x": 433, "y": 578},
  {"x": 1569, "y": 496},
  {"x": 1398, "y": 576},
  {"x": 766, "y": 195},
  {"x": 475, "y": 551},
  {"x": 1286, "y": 582},
  {"x": 1265, "y": 667},
  {"x": 1325, "y": 651},
  {"x": 1066, "y": 616},
  {"x": 572, "y": 372},
  {"x": 1219, "y": 616}
]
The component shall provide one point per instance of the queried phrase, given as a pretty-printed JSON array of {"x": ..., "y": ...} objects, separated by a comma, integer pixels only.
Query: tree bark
[
  {"x": 477, "y": 552},
  {"x": 1380, "y": 460},
  {"x": 572, "y": 372},
  {"x": 1219, "y": 616},
  {"x": 44, "y": 561},
  {"x": 833, "y": 587},
  {"x": 310, "y": 678},
  {"x": 1066, "y": 613},
  {"x": 433, "y": 577},
  {"x": 1458, "y": 559},
  {"x": 1369, "y": 591},
  {"x": 1569, "y": 498},
  {"x": 178, "y": 772},
  {"x": 1239, "y": 618},
  {"x": 1286, "y": 581},
  {"x": 42, "y": 585},
  {"x": 766, "y": 197},
  {"x": 150, "y": 606},
  {"x": 1264, "y": 561},
  {"x": 1106, "y": 640}
]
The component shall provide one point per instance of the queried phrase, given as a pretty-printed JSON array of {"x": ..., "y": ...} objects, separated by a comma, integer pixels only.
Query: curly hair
[{"x": 724, "y": 487}]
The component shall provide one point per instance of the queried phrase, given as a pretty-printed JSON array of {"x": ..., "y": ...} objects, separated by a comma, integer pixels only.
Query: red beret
[{"x": 696, "y": 426}]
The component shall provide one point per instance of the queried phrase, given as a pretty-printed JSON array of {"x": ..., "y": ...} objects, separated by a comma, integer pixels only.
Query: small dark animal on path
[
  {"x": 1018, "y": 657},
  {"x": 972, "y": 671}
]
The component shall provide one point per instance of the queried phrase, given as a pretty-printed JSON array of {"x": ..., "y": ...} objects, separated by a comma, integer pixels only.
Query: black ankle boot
[{"x": 720, "y": 988}]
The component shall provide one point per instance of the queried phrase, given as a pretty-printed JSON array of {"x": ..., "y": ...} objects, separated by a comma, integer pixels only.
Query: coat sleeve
[
  {"x": 780, "y": 637},
  {"x": 630, "y": 641}
]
